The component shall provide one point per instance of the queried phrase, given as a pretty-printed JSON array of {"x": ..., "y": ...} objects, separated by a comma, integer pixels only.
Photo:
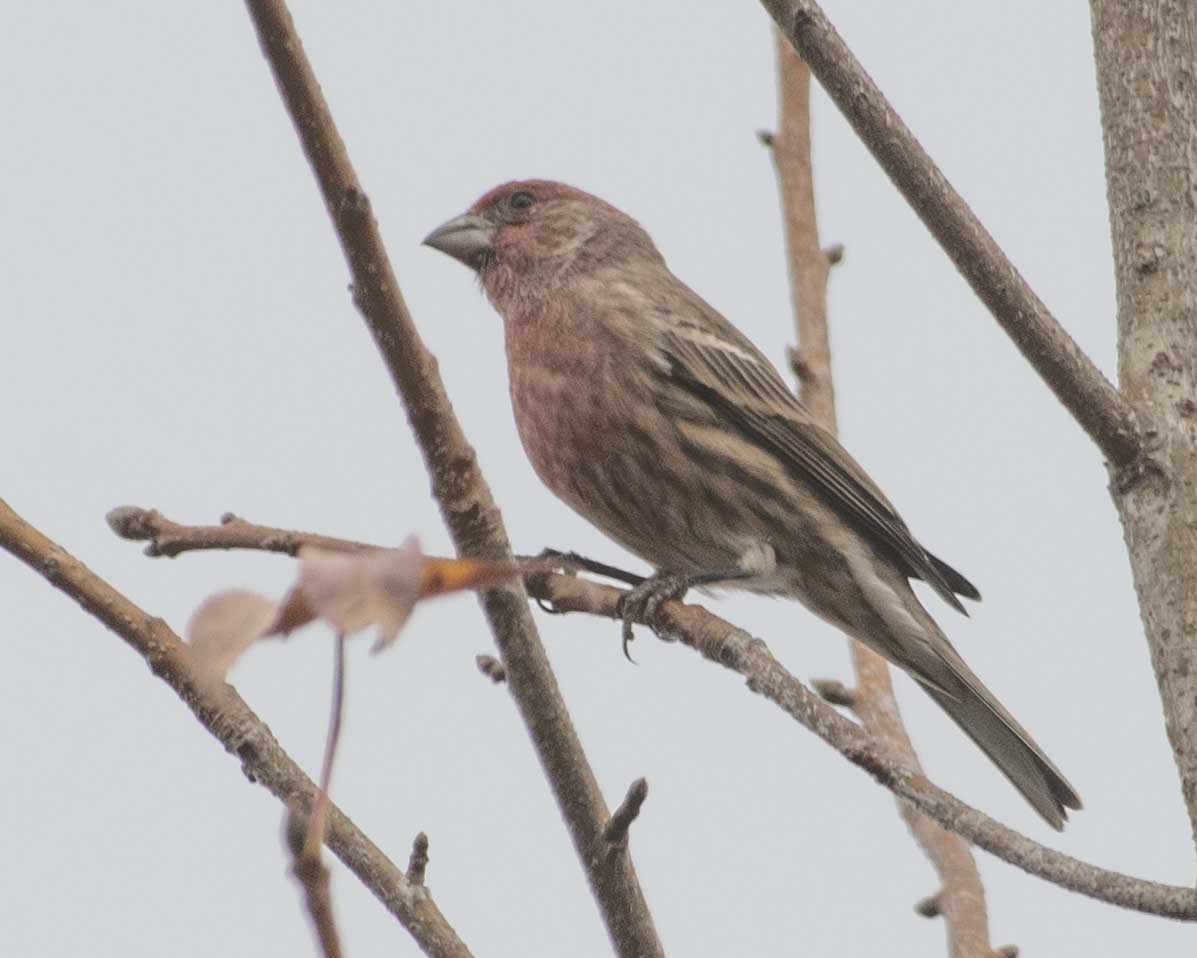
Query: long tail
[{"x": 973, "y": 707}]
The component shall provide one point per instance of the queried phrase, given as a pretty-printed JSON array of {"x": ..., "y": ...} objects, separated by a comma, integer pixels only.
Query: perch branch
[{"x": 734, "y": 649}]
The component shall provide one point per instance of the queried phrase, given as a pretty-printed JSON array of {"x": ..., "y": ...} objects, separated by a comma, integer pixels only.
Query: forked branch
[
  {"x": 1093, "y": 402},
  {"x": 226, "y": 716}
]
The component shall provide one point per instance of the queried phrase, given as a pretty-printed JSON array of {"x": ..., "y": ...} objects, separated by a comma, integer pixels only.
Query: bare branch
[
  {"x": 721, "y": 642},
  {"x": 166, "y": 538},
  {"x": 460, "y": 490},
  {"x": 616, "y": 832},
  {"x": 417, "y": 864},
  {"x": 961, "y": 899},
  {"x": 733, "y": 648},
  {"x": 1069, "y": 373},
  {"x": 154, "y": 529},
  {"x": 1146, "y": 60},
  {"x": 808, "y": 265},
  {"x": 226, "y": 716}
]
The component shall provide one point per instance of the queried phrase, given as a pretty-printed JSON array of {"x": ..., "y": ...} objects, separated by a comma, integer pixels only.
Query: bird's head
[{"x": 524, "y": 239}]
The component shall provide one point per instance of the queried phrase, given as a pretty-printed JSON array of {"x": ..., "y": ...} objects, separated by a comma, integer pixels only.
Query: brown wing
[{"x": 717, "y": 364}]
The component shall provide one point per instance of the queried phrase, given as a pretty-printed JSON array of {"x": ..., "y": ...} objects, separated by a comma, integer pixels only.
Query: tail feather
[
  {"x": 973, "y": 707},
  {"x": 956, "y": 582}
]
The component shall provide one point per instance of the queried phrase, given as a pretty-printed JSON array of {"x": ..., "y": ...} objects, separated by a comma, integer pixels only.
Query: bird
[{"x": 657, "y": 420}]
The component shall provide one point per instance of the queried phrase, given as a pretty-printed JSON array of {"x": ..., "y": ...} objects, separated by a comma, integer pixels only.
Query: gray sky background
[{"x": 180, "y": 336}]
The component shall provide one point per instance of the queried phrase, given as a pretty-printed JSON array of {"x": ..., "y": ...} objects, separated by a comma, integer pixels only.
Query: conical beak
[{"x": 467, "y": 238}]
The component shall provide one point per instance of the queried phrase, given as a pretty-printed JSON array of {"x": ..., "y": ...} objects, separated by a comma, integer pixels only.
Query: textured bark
[{"x": 1147, "y": 77}]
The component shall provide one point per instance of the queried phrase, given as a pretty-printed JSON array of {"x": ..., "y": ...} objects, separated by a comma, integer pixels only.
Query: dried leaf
[
  {"x": 350, "y": 590},
  {"x": 354, "y": 591},
  {"x": 224, "y": 626}
]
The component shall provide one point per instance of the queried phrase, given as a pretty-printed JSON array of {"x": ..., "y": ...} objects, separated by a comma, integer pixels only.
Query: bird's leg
[
  {"x": 641, "y": 602},
  {"x": 575, "y": 562}
]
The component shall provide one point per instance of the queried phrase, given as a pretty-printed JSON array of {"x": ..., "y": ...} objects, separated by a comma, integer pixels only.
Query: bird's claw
[{"x": 642, "y": 602}]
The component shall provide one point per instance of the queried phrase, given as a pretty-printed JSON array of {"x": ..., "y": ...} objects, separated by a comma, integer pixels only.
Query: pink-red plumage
[{"x": 656, "y": 419}]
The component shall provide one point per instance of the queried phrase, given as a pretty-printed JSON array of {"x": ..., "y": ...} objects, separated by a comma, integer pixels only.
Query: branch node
[
  {"x": 491, "y": 667},
  {"x": 835, "y": 692},
  {"x": 417, "y": 864},
  {"x": 1139, "y": 469},
  {"x": 1007, "y": 951},
  {"x": 766, "y": 138},
  {"x": 616, "y": 831},
  {"x": 834, "y": 254},
  {"x": 930, "y": 907},
  {"x": 797, "y": 362}
]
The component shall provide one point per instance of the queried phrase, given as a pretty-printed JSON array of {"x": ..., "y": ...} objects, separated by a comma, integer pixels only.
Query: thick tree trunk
[{"x": 1146, "y": 54}]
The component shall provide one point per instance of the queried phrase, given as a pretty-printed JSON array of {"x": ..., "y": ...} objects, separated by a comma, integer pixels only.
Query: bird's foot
[{"x": 642, "y": 602}]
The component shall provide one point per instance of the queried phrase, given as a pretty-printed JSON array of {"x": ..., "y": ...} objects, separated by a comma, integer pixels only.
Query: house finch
[{"x": 657, "y": 420}]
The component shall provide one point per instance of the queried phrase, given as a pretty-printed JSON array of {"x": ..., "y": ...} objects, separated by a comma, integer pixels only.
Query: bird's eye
[{"x": 521, "y": 200}]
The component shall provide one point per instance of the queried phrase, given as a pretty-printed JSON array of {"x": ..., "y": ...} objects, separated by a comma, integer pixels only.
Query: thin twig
[
  {"x": 165, "y": 538},
  {"x": 733, "y": 648},
  {"x": 835, "y": 692},
  {"x": 315, "y": 837},
  {"x": 461, "y": 491},
  {"x": 226, "y": 716},
  {"x": 1093, "y": 402},
  {"x": 616, "y": 832},
  {"x": 808, "y": 265},
  {"x": 313, "y": 876},
  {"x": 962, "y": 896},
  {"x": 307, "y": 864}
]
